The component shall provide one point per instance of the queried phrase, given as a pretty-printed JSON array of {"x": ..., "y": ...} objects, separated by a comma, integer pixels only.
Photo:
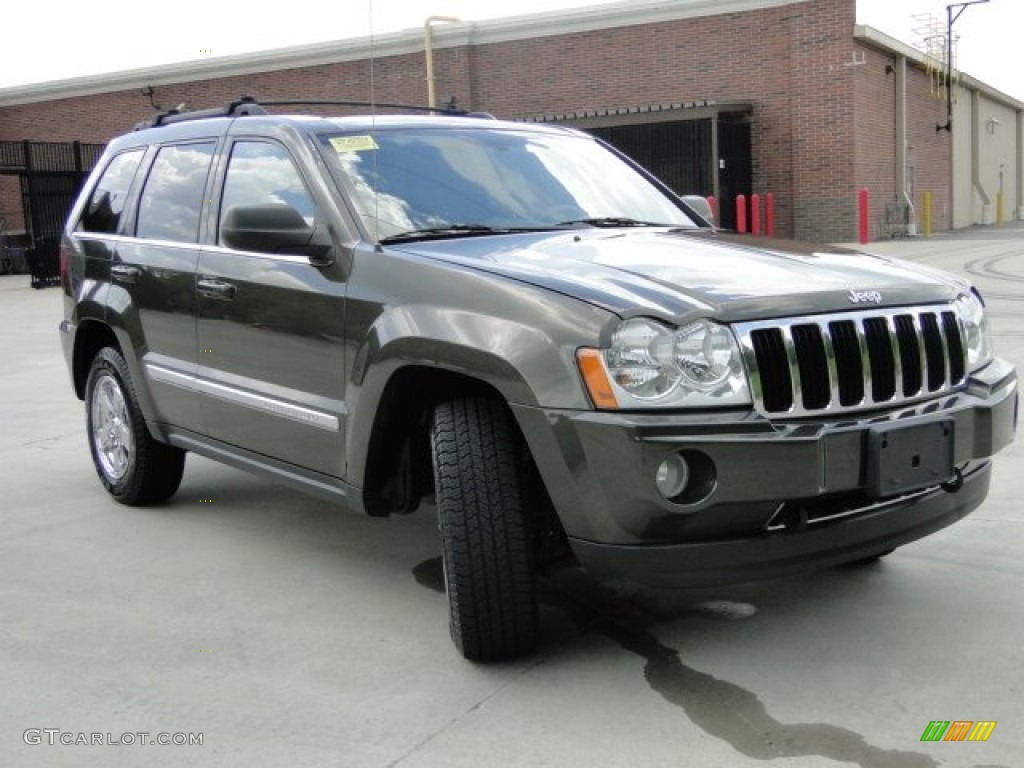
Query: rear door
[
  {"x": 156, "y": 270},
  {"x": 270, "y": 326}
]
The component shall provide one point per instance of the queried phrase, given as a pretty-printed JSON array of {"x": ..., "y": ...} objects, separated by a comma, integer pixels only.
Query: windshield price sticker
[{"x": 353, "y": 143}]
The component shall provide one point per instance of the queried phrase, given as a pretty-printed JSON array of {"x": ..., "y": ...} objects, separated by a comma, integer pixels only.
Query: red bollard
[
  {"x": 713, "y": 204},
  {"x": 755, "y": 213},
  {"x": 862, "y": 211},
  {"x": 769, "y": 214},
  {"x": 741, "y": 214}
]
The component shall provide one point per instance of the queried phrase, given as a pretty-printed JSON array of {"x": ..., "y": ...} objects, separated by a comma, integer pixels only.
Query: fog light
[{"x": 672, "y": 476}]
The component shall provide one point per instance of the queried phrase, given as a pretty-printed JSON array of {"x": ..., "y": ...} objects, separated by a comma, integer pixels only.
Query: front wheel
[
  {"x": 133, "y": 467},
  {"x": 485, "y": 535}
]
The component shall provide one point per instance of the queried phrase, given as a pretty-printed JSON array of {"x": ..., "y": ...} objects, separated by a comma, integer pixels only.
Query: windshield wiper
[
  {"x": 610, "y": 222},
  {"x": 456, "y": 230}
]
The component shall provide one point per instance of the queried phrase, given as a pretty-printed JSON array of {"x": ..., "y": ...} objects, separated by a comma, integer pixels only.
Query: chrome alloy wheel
[{"x": 112, "y": 436}]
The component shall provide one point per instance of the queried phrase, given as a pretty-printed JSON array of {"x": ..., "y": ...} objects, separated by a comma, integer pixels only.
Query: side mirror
[
  {"x": 701, "y": 207},
  {"x": 274, "y": 228}
]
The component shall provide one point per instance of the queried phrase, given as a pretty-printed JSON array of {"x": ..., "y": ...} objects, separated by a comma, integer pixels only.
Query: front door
[{"x": 270, "y": 329}]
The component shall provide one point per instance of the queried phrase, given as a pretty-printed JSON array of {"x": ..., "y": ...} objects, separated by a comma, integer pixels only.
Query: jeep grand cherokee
[{"x": 524, "y": 325}]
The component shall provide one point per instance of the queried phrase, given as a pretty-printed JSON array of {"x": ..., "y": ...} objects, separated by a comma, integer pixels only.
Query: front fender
[
  {"x": 517, "y": 339},
  {"x": 521, "y": 362},
  {"x": 524, "y": 363}
]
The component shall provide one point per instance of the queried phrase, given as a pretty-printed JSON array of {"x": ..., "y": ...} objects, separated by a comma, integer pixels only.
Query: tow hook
[{"x": 956, "y": 483}]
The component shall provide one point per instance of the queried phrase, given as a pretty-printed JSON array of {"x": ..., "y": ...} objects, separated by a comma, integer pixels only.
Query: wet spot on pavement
[{"x": 719, "y": 708}]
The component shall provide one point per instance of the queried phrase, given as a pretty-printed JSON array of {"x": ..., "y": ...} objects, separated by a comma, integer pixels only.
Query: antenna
[
  {"x": 373, "y": 58},
  {"x": 373, "y": 122}
]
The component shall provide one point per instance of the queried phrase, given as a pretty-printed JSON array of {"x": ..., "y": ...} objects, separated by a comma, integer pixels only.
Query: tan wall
[
  {"x": 985, "y": 127},
  {"x": 963, "y": 193},
  {"x": 996, "y": 125}
]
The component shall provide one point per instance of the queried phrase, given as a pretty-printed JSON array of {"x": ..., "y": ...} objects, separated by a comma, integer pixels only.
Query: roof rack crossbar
[{"x": 246, "y": 105}]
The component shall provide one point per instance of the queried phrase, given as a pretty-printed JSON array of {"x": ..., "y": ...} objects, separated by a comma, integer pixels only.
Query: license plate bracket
[{"x": 903, "y": 459}]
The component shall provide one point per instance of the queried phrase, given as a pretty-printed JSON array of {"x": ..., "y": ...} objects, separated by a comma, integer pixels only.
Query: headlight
[
  {"x": 979, "y": 344},
  {"x": 651, "y": 365}
]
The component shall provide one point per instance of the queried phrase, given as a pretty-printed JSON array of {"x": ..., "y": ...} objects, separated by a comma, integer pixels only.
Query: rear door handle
[
  {"x": 125, "y": 273},
  {"x": 216, "y": 289}
]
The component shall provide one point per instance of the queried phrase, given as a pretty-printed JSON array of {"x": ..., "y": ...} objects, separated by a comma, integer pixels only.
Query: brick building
[{"x": 718, "y": 97}]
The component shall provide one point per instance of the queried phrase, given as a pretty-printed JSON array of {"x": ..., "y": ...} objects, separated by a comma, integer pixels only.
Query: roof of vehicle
[
  {"x": 426, "y": 121},
  {"x": 205, "y": 122}
]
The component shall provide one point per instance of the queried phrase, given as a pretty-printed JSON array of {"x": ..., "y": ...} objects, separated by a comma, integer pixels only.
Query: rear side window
[
  {"x": 106, "y": 203},
  {"x": 173, "y": 196}
]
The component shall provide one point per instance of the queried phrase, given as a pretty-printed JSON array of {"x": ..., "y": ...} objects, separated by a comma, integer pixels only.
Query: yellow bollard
[
  {"x": 1000, "y": 219},
  {"x": 927, "y": 214}
]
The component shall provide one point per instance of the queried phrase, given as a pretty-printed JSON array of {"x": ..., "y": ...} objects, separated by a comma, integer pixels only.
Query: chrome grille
[{"x": 852, "y": 361}]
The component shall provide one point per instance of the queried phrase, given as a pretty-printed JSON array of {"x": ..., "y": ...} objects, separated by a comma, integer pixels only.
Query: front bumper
[
  {"x": 783, "y": 552},
  {"x": 769, "y": 498}
]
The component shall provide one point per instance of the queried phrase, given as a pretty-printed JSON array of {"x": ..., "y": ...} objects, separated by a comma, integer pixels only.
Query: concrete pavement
[{"x": 290, "y": 633}]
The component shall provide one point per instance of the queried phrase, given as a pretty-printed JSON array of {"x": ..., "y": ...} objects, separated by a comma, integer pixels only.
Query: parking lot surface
[{"x": 283, "y": 631}]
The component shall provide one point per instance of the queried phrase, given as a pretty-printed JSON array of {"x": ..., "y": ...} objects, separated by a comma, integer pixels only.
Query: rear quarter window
[{"x": 104, "y": 210}]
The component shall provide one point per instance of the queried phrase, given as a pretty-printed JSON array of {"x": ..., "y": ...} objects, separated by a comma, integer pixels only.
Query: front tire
[
  {"x": 133, "y": 467},
  {"x": 485, "y": 536}
]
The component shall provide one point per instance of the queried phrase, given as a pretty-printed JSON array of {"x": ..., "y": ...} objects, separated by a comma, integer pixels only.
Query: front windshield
[{"x": 409, "y": 180}]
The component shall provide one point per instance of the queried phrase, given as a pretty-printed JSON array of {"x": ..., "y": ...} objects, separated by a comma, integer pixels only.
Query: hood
[{"x": 681, "y": 273}]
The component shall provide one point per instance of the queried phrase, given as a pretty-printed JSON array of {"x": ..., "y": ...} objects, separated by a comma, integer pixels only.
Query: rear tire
[
  {"x": 485, "y": 536},
  {"x": 133, "y": 467}
]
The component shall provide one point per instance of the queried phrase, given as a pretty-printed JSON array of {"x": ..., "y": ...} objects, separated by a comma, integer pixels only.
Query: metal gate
[
  {"x": 735, "y": 165},
  {"x": 51, "y": 173},
  {"x": 682, "y": 153},
  {"x": 677, "y": 152}
]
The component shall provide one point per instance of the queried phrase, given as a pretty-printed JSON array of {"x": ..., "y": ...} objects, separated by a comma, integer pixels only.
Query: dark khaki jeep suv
[{"x": 520, "y": 323}]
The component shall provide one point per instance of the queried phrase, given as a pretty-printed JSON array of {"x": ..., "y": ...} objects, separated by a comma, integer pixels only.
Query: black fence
[
  {"x": 51, "y": 173},
  {"x": 681, "y": 153}
]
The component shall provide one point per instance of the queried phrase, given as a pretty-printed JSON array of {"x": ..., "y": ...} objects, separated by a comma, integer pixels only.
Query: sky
[{"x": 113, "y": 35}]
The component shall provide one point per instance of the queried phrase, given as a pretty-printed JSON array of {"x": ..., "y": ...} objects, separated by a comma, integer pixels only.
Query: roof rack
[
  {"x": 247, "y": 105},
  {"x": 450, "y": 109},
  {"x": 447, "y": 110}
]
